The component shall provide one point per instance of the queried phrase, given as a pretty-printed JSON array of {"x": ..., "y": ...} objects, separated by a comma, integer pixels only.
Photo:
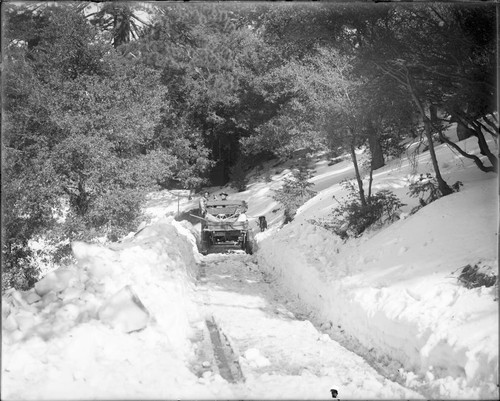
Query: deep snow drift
[{"x": 115, "y": 325}]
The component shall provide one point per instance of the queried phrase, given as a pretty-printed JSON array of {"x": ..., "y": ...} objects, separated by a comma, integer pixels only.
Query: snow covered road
[{"x": 281, "y": 355}]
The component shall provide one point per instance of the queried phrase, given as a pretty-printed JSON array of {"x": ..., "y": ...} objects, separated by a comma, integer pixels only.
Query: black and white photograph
[{"x": 263, "y": 200}]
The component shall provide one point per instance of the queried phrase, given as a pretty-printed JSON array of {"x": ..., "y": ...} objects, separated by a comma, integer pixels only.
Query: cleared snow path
[{"x": 280, "y": 355}]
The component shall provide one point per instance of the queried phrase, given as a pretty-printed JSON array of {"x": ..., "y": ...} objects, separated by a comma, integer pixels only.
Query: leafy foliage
[
  {"x": 18, "y": 270},
  {"x": 221, "y": 77},
  {"x": 476, "y": 276},
  {"x": 196, "y": 51},
  {"x": 426, "y": 189},
  {"x": 238, "y": 175},
  {"x": 351, "y": 218},
  {"x": 294, "y": 193},
  {"x": 432, "y": 52},
  {"x": 79, "y": 126},
  {"x": 121, "y": 20}
]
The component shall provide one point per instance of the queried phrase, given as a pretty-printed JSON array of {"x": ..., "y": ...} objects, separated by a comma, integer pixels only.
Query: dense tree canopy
[{"x": 105, "y": 102}]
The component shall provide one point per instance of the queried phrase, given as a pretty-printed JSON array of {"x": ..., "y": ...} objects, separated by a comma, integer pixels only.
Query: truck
[{"x": 225, "y": 227}]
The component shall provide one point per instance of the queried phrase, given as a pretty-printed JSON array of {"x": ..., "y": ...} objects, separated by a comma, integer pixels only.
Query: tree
[
  {"x": 121, "y": 20},
  {"x": 472, "y": 103},
  {"x": 448, "y": 50},
  {"x": 327, "y": 82},
  {"x": 343, "y": 28},
  {"x": 208, "y": 64},
  {"x": 294, "y": 193},
  {"x": 297, "y": 30},
  {"x": 79, "y": 125},
  {"x": 432, "y": 53},
  {"x": 238, "y": 175}
]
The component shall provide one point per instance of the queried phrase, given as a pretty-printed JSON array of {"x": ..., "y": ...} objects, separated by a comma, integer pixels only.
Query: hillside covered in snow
[
  {"x": 359, "y": 142},
  {"x": 125, "y": 320},
  {"x": 396, "y": 293}
]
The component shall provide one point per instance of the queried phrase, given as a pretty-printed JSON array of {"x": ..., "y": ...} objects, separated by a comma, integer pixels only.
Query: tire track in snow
[
  {"x": 280, "y": 354},
  {"x": 226, "y": 362},
  {"x": 228, "y": 365}
]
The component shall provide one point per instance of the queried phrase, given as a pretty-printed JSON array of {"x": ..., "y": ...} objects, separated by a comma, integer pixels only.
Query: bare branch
[{"x": 477, "y": 160}]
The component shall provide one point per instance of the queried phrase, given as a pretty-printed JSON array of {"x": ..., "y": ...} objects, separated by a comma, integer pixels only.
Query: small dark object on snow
[
  {"x": 457, "y": 185},
  {"x": 334, "y": 393},
  {"x": 472, "y": 277},
  {"x": 262, "y": 223}
]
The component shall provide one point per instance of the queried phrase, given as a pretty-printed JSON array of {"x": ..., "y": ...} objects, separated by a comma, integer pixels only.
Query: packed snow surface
[
  {"x": 379, "y": 316},
  {"x": 281, "y": 354}
]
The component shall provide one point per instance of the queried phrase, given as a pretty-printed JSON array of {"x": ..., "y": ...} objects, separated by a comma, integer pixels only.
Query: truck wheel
[
  {"x": 249, "y": 246},
  {"x": 203, "y": 248},
  {"x": 204, "y": 245}
]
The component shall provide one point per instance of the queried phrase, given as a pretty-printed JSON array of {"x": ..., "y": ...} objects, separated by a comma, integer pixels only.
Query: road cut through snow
[
  {"x": 281, "y": 355},
  {"x": 131, "y": 321}
]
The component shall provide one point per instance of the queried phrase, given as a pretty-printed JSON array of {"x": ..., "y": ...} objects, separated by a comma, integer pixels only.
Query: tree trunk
[
  {"x": 433, "y": 112},
  {"x": 476, "y": 159},
  {"x": 442, "y": 185},
  {"x": 463, "y": 132},
  {"x": 80, "y": 200},
  {"x": 358, "y": 175},
  {"x": 491, "y": 124},
  {"x": 483, "y": 145},
  {"x": 485, "y": 150},
  {"x": 375, "y": 148},
  {"x": 370, "y": 184}
]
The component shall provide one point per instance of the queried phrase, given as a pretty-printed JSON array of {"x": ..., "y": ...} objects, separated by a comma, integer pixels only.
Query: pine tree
[{"x": 294, "y": 193}]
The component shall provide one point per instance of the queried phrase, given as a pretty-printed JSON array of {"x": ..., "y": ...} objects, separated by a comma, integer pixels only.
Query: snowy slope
[{"x": 394, "y": 292}]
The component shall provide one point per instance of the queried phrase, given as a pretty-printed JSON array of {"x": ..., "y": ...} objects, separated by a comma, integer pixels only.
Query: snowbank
[
  {"x": 393, "y": 295},
  {"x": 115, "y": 325}
]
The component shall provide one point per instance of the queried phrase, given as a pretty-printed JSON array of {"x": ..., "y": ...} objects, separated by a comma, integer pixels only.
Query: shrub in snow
[
  {"x": 18, "y": 268},
  {"x": 351, "y": 218},
  {"x": 294, "y": 193},
  {"x": 426, "y": 189},
  {"x": 477, "y": 276}
]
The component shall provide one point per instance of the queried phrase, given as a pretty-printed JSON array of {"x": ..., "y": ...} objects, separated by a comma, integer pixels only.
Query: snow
[
  {"x": 380, "y": 316},
  {"x": 395, "y": 291},
  {"x": 117, "y": 324},
  {"x": 282, "y": 356}
]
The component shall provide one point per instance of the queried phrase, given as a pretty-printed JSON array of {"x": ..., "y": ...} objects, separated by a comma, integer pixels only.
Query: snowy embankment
[
  {"x": 114, "y": 325},
  {"x": 393, "y": 294}
]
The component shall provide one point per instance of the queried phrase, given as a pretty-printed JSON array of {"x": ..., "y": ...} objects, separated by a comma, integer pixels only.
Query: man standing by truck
[{"x": 203, "y": 204}]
